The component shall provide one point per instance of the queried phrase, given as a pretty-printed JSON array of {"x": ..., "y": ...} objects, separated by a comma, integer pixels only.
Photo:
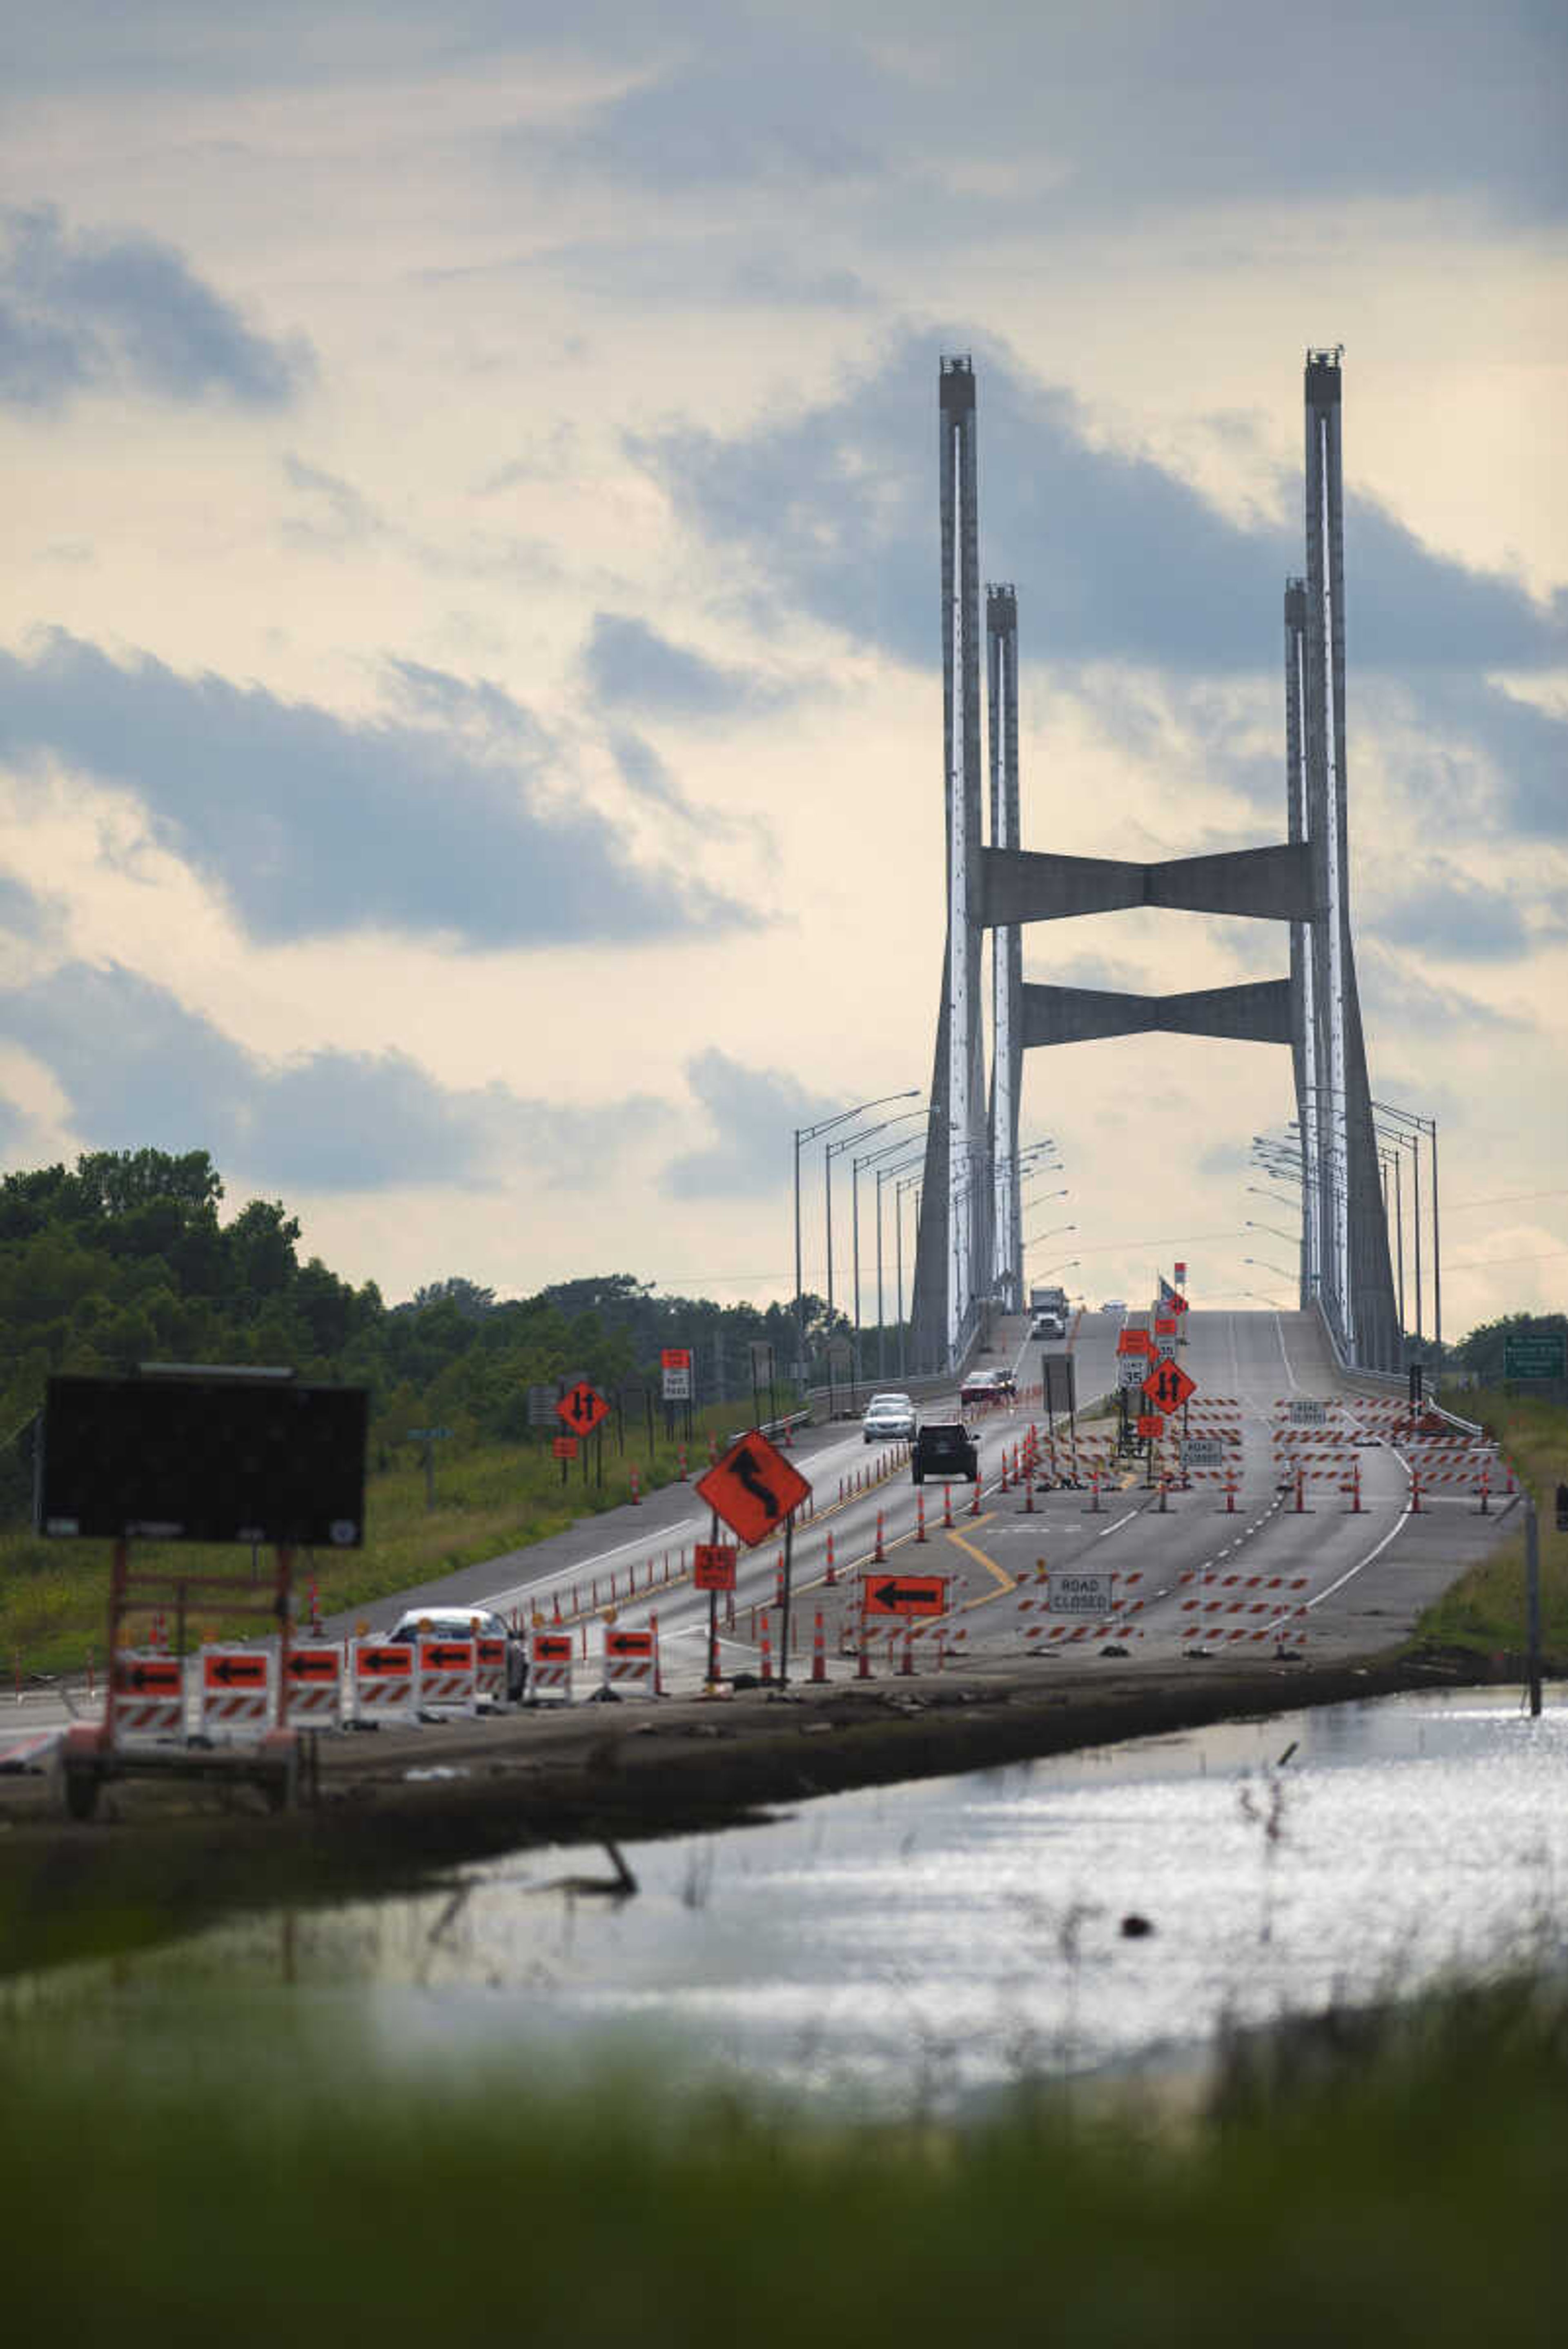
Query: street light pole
[{"x": 809, "y": 1134}]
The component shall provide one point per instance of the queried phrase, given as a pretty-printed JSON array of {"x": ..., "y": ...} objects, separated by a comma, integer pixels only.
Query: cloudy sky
[{"x": 470, "y": 700}]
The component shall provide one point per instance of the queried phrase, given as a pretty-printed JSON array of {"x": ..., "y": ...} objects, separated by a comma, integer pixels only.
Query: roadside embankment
[{"x": 400, "y": 1807}]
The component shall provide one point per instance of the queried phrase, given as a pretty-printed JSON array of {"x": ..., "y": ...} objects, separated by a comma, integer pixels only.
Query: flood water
[{"x": 930, "y": 1943}]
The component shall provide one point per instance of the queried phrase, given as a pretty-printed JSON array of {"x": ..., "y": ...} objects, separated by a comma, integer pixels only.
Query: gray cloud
[
  {"x": 1107, "y": 113},
  {"x": 644, "y": 772},
  {"x": 753, "y": 1113},
  {"x": 336, "y": 514},
  {"x": 631, "y": 664},
  {"x": 136, "y": 1066},
  {"x": 24, "y": 914},
  {"x": 1115, "y": 558},
  {"x": 1443, "y": 910},
  {"x": 91, "y": 310},
  {"x": 1395, "y": 991},
  {"x": 750, "y": 105},
  {"x": 314, "y": 824},
  {"x": 1117, "y": 562}
]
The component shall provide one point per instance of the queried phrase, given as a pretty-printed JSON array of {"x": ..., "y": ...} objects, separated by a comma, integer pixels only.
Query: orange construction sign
[
  {"x": 1168, "y": 1386},
  {"x": 552, "y": 1647},
  {"x": 628, "y": 1643},
  {"x": 1135, "y": 1342},
  {"x": 582, "y": 1407},
  {"x": 226, "y": 1670},
  {"x": 753, "y": 1488},
  {"x": 907, "y": 1594},
  {"x": 713, "y": 1566}
]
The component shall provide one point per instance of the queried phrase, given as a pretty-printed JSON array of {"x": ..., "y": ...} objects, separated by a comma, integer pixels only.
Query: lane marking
[{"x": 1004, "y": 1580}]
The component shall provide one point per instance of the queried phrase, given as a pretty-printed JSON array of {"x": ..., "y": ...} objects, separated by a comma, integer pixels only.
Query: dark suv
[{"x": 945, "y": 1449}]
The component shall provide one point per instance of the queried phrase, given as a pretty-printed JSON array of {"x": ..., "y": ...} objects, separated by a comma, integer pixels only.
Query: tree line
[{"x": 127, "y": 1259}]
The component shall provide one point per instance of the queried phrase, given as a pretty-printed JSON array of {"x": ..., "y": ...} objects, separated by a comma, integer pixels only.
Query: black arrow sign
[
  {"x": 311, "y": 1668},
  {"x": 899, "y": 1595},
  {"x": 149, "y": 1676},
  {"x": 386, "y": 1659},
  {"x": 246, "y": 1669},
  {"x": 449, "y": 1658},
  {"x": 749, "y": 1471}
]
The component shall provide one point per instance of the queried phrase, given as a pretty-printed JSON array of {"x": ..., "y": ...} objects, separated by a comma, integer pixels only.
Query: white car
[
  {"x": 890, "y": 1419},
  {"x": 1114, "y": 1305}
]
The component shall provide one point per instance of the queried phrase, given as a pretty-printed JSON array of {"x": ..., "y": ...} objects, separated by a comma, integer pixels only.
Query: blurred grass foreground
[{"x": 1386, "y": 2179}]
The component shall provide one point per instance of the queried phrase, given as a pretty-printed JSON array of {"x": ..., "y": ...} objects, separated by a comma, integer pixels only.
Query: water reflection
[{"x": 936, "y": 1939}]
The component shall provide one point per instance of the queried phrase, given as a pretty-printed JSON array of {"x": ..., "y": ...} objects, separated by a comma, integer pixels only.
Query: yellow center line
[{"x": 1004, "y": 1581}]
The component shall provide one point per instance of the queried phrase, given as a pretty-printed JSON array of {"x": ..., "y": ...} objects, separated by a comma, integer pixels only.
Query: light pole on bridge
[{"x": 809, "y": 1134}]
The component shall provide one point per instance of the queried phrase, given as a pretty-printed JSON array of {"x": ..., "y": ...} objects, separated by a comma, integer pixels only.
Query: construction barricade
[
  {"x": 383, "y": 1682},
  {"x": 550, "y": 1668},
  {"x": 630, "y": 1661},
  {"x": 313, "y": 1685},
  {"x": 444, "y": 1674},
  {"x": 234, "y": 1692},
  {"x": 147, "y": 1696},
  {"x": 489, "y": 1672}
]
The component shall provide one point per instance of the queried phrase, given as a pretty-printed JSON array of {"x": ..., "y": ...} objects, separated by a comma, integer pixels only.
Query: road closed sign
[{"x": 1080, "y": 1594}]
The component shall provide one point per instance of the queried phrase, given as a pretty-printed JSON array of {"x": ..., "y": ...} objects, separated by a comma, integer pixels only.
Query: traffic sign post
[
  {"x": 712, "y": 1570},
  {"x": 675, "y": 1384},
  {"x": 1535, "y": 1354},
  {"x": 755, "y": 1490},
  {"x": 581, "y": 1408},
  {"x": 1168, "y": 1386},
  {"x": 430, "y": 1437}
]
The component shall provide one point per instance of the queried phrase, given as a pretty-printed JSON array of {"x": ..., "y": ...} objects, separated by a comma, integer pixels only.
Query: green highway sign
[{"x": 1544, "y": 1355}]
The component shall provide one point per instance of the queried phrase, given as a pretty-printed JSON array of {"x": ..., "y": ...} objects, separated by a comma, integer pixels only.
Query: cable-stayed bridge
[{"x": 969, "y": 1250}]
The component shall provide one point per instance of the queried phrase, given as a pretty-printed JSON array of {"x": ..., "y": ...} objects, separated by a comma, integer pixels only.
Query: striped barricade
[
  {"x": 234, "y": 1692},
  {"x": 550, "y": 1666},
  {"x": 444, "y": 1673},
  {"x": 383, "y": 1682},
  {"x": 489, "y": 1672},
  {"x": 631, "y": 1659},
  {"x": 313, "y": 1685},
  {"x": 148, "y": 1696}
]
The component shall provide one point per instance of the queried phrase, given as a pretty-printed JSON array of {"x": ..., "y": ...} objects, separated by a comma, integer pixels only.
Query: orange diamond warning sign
[
  {"x": 1168, "y": 1386},
  {"x": 753, "y": 1488},
  {"x": 582, "y": 1407}
]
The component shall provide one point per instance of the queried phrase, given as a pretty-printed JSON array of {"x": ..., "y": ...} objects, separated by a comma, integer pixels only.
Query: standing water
[{"x": 1099, "y": 1911}]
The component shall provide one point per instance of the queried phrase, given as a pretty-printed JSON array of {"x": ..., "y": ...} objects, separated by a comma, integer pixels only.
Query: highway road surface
[{"x": 1227, "y": 1564}]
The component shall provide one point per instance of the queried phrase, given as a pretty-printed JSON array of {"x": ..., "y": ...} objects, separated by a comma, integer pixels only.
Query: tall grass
[
  {"x": 1412, "y": 2192},
  {"x": 490, "y": 1498},
  {"x": 1485, "y": 1609}
]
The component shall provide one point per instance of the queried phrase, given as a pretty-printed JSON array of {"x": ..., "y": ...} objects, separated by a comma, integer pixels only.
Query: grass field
[
  {"x": 1391, "y": 2181},
  {"x": 490, "y": 1498},
  {"x": 1485, "y": 1609}
]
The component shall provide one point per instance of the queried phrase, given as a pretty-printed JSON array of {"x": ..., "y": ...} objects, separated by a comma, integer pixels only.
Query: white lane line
[
  {"x": 1115, "y": 1527},
  {"x": 1284, "y": 1357}
]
